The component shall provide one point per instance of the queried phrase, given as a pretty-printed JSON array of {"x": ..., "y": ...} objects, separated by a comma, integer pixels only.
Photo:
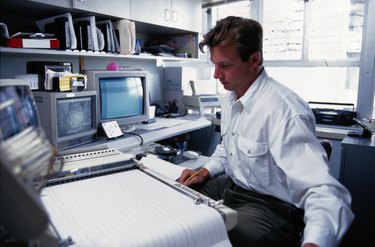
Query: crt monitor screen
[
  {"x": 121, "y": 97},
  {"x": 74, "y": 115}
]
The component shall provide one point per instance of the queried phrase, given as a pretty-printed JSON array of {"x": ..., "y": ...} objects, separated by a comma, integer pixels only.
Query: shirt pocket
[{"x": 254, "y": 157}]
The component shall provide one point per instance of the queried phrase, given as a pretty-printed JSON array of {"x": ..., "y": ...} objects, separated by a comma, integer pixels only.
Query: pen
[{"x": 194, "y": 175}]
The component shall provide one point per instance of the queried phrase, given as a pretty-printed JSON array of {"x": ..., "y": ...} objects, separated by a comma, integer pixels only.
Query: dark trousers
[{"x": 262, "y": 220}]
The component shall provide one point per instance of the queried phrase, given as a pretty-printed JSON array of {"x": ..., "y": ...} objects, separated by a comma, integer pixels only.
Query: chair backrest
[{"x": 327, "y": 145}]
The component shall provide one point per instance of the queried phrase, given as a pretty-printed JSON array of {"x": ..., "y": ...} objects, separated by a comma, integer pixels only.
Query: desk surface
[
  {"x": 334, "y": 131},
  {"x": 351, "y": 142},
  {"x": 195, "y": 164},
  {"x": 323, "y": 131},
  {"x": 130, "y": 141}
]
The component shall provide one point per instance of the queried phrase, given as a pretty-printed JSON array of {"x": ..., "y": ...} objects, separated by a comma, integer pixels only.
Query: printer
[{"x": 201, "y": 101}]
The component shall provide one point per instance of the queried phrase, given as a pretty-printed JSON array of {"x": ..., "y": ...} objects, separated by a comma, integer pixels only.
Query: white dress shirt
[{"x": 269, "y": 146}]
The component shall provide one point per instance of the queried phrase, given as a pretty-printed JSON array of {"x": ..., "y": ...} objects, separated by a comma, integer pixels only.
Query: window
[
  {"x": 335, "y": 29},
  {"x": 317, "y": 30},
  {"x": 324, "y": 38},
  {"x": 239, "y": 8},
  {"x": 312, "y": 46},
  {"x": 283, "y": 30}
]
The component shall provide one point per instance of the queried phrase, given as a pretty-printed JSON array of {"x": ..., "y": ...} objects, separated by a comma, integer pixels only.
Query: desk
[
  {"x": 322, "y": 130},
  {"x": 334, "y": 131},
  {"x": 130, "y": 141},
  {"x": 195, "y": 164},
  {"x": 357, "y": 175}
]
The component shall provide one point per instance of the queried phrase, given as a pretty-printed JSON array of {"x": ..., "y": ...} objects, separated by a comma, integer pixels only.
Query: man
[{"x": 277, "y": 179}]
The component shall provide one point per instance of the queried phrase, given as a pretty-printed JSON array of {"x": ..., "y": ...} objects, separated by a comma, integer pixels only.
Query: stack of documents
[{"x": 131, "y": 209}]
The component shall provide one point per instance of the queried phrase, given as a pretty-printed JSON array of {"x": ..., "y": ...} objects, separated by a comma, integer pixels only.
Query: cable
[{"x": 131, "y": 133}]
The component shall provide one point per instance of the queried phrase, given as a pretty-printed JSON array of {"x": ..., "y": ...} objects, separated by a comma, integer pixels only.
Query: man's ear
[{"x": 254, "y": 59}]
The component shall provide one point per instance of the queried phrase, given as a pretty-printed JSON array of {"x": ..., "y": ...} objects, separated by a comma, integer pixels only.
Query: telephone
[{"x": 366, "y": 132}]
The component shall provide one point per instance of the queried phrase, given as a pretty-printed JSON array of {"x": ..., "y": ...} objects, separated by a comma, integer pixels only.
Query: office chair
[{"x": 327, "y": 145}]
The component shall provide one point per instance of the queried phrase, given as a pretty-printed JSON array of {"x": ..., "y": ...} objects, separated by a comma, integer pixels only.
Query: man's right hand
[{"x": 187, "y": 179}]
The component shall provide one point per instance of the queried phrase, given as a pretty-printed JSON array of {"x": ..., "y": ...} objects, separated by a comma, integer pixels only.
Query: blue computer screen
[{"x": 121, "y": 97}]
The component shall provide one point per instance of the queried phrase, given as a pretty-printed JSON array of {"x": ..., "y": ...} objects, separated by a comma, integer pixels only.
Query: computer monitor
[
  {"x": 18, "y": 110},
  {"x": 69, "y": 118},
  {"x": 21, "y": 211},
  {"x": 123, "y": 96}
]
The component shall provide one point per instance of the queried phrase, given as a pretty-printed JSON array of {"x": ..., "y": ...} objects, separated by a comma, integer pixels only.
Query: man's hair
[{"x": 246, "y": 34}]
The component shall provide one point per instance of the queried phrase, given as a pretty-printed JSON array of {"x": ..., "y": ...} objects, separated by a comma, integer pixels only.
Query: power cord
[{"x": 131, "y": 133}]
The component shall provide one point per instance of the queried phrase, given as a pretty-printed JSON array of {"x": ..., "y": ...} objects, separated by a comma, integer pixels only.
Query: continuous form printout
[{"x": 131, "y": 209}]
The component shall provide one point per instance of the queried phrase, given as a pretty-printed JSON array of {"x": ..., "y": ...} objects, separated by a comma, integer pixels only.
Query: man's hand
[{"x": 189, "y": 177}]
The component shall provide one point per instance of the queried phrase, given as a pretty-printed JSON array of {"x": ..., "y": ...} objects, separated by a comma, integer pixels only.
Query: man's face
[{"x": 234, "y": 74}]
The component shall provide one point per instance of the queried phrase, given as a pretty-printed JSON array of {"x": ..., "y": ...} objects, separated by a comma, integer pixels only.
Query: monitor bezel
[
  {"x": 93, "y": 81},
  {"x": 50, "y": 116},
  {"x": 77, "y": 95},
  {"x": 21, "y": 202}
]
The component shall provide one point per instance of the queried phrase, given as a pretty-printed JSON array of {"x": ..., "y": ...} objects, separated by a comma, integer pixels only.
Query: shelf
[{"x": 23, "y": 51}]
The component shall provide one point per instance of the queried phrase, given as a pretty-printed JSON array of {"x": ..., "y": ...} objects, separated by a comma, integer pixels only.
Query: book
[{"x": 33, "y": 43}]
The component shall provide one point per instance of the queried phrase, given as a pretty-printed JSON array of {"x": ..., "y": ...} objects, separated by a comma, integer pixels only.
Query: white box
[{"x": 177, "y": 78}]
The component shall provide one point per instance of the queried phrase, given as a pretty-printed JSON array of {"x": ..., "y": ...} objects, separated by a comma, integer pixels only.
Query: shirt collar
[{"x": 249, "y": 97}]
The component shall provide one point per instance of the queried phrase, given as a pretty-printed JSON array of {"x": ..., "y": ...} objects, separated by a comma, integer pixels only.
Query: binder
[
  {"x": 125, "y": 33},
  {"x": 87, "y": 34},
  {"x": 105, "y": 28},
  {"x": 84, "y": 39},
  {"x": 100, "y": 39},
  {"x": 60, "y": 20},
  {"x": 117, "y": 44},
  {"x": 111, "y": 40}
]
